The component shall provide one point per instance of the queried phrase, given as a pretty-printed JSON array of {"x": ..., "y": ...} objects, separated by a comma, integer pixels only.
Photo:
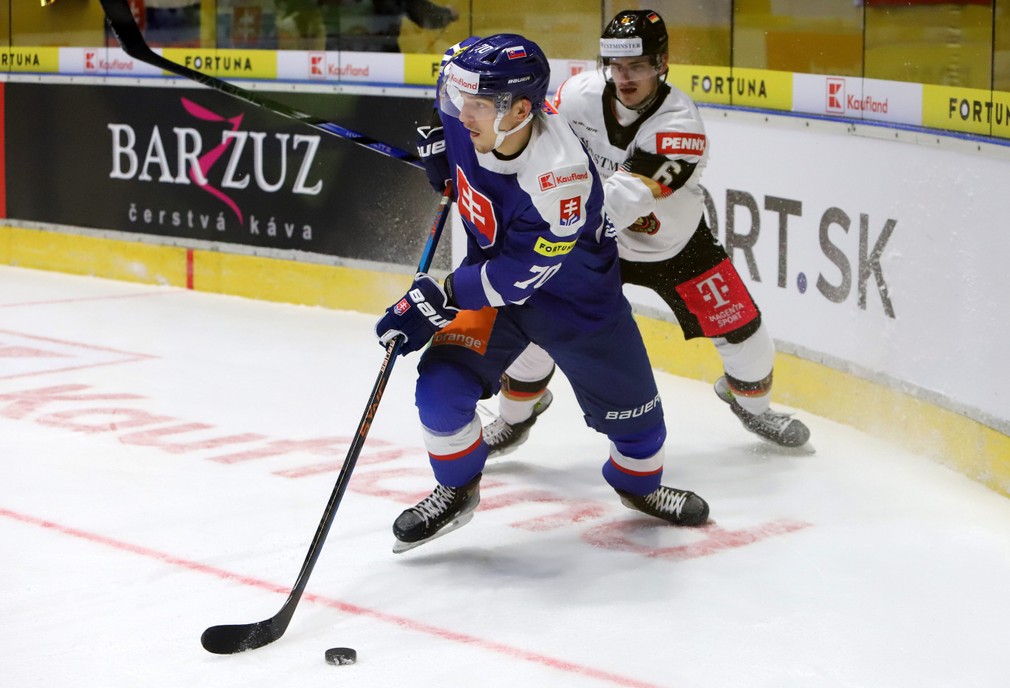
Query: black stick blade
[{"x": 230, "y": 639}]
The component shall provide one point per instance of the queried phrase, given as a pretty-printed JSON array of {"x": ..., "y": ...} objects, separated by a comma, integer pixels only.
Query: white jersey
[{"x": 651, "y": 229}]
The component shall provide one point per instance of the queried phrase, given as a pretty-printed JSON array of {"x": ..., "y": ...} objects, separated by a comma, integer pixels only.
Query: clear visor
[
  {"x": 457, "y": 97},
  {"x": 625, "y": 69}
]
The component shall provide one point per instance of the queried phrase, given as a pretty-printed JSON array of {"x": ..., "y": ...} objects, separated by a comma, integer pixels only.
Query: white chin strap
[{"x": 500, "y": 135}]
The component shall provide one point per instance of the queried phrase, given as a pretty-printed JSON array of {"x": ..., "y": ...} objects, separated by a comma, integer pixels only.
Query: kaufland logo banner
[
  {"x": 835, "y": 97},
  {"x": 840, "y": 102},
  {"x": 340, "y": 66},
  {"x": 857, "y": 98},
  {"x": 317, "y": 65},
  {"x": 103, "y": 61}
]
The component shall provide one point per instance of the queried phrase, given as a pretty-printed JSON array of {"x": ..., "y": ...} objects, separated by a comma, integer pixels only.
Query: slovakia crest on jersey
[
  {"x": 571, "y": 211},
  {"x": 476, "y": 210}
]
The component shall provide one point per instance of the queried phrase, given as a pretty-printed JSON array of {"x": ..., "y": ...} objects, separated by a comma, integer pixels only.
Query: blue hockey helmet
[{"x": 504, "y": 67}]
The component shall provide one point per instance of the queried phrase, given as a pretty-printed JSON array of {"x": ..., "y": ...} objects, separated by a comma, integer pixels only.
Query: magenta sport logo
[{"x": 223, "y": 163}]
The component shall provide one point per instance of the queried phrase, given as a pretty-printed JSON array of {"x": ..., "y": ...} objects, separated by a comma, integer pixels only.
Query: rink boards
[{"x": 966, "y": 445}]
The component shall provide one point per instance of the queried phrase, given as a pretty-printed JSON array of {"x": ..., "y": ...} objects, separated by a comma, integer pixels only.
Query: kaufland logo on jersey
[
  {"x": 552, "y": 180},
  {"x": 835, "y": 97},
  {"x": 90, "y": 61},
  {"x": 317, "y": 65},
  {"x": 670, "y": 143}
]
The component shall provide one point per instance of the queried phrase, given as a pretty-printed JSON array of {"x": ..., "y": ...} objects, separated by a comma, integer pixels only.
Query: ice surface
[{"x": 166, "y": 456}]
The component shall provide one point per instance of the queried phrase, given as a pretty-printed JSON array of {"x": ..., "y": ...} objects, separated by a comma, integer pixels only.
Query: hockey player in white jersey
[
  {"x": 648, "y": 142},
  {"x": 539, "y": 267}
]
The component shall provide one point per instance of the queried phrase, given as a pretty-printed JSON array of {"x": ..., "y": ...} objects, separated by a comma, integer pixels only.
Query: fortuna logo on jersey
[
  {"x": 571, "y": 211},
  {"x": 475, "y": 209},
  {"x": 669, "y": 143},
  {"x": 566, "y": 175}
]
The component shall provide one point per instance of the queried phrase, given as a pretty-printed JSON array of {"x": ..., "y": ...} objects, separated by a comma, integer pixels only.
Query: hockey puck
[{"x": 341, "y": 655}]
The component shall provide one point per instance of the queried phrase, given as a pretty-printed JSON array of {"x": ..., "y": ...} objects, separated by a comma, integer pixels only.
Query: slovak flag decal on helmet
[{"x": 515, "y": 52}]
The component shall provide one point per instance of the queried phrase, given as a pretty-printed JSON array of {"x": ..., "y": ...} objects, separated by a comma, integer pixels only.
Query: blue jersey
[{"x": 534, "y": 223}]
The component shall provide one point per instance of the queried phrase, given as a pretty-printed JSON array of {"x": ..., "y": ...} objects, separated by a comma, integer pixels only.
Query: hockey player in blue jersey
[{"x": 539, "y": 268}]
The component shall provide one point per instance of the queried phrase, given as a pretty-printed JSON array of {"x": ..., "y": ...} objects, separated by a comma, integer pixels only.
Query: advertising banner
[
  {"x": 3, "y": 150},
  {"x": 857, "y": 98},
  {"x": 971, "y": 110},
  {"x": 196, "y": 164},
  {"x": 37, "y": 60},
  {"x": 881, "y": 255},
  {"x": 342, "y": 67},
  {"x": 103, "y": 62}
]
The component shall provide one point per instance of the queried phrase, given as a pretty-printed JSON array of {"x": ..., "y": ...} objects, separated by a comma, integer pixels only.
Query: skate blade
[
  {"x": 399, "y": 546},
  {"x": 502, "y": 451},
  {"x": 767, "y": 447}
]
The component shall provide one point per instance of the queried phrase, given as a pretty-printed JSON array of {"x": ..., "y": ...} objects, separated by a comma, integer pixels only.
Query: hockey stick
[
  {"x": 229, "y": 639},
  {"x": 121, "y": 21}
]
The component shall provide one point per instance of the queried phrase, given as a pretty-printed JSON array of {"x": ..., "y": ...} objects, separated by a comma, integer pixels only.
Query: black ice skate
[
  {"x": 503, "y": 438},
  {"x": 679, "y": 507},
  {"x": 780, "y": 428},
  {"x": 441, "y": 512}
]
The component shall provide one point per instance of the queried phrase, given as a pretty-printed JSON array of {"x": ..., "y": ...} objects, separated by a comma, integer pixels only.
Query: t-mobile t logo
[
  {"x": 836, "y": 96},
  {"x": 713, "y": 287}
]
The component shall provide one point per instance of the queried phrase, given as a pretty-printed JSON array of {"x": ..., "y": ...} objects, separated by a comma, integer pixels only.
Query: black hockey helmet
[{"x": 634, "y": 32}]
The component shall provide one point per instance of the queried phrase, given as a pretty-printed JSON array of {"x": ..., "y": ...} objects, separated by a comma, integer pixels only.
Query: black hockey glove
[
  {"x": 669, "y": 174},
  {"x": 431, "y": 148},
  {"x": 422, "y": 312}
]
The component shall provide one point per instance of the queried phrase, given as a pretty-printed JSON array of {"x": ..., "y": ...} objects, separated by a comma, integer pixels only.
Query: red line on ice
[
  {"x": 347, "y": 608},
  {"x": 109, "y": 297}
]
